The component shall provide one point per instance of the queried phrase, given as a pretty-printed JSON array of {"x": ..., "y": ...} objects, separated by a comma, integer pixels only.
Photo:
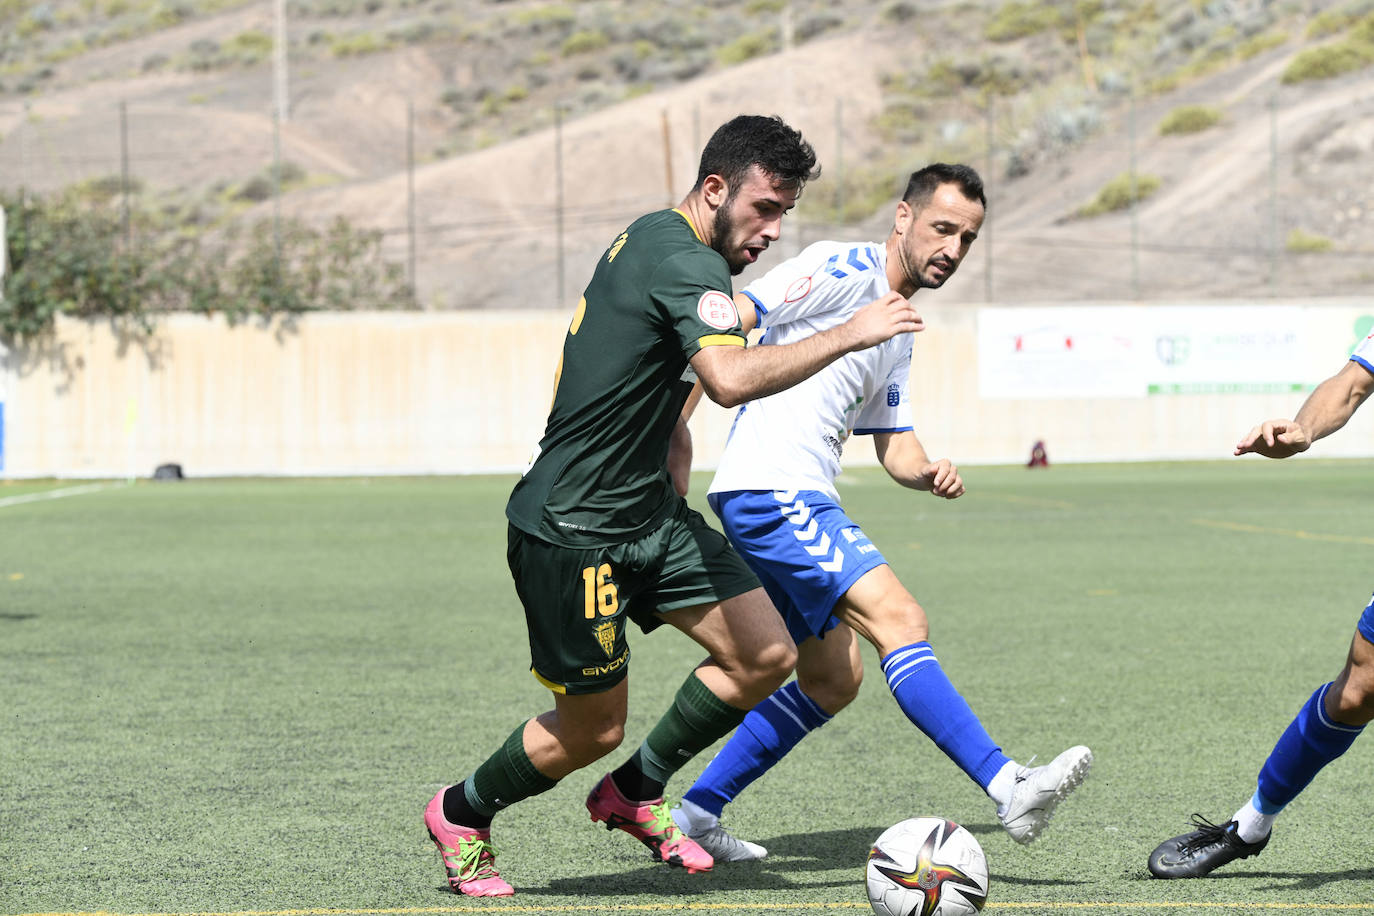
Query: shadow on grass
[
  {"x": 822, "y": 849},
  {"x": 795, "y": 861},
  {"x": 811, "y": 860},
  {"x": 1283, "y": 880},
  {"x": 676, "y": 883}
]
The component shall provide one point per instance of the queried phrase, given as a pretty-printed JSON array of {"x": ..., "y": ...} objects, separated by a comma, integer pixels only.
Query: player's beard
[
  {"x": 917, "y": 276},
  {"x": 722, "y": 237},
  {"x": 936, "y": 284}
]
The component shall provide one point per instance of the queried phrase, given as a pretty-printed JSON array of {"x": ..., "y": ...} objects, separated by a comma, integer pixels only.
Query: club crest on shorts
[
  {"x": 605, "y": 634},
  {"x": 718, "y": 310}
]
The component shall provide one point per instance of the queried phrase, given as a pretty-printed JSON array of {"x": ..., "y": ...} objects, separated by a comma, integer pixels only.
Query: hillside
[{"x": 1274, "y": 198}]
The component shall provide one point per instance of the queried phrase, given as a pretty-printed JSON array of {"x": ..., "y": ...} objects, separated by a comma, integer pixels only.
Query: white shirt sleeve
[
  {"x": 1364, "y": 353},
  {"x": 806, "y": 285}
]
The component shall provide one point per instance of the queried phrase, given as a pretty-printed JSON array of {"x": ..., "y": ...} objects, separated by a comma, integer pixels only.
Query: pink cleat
[
  {"x": 469, "y": 858},
  {"x": 650, "y": 823}
]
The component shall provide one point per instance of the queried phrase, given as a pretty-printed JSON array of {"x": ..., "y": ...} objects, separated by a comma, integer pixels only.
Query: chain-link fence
[{"x": 1092, "y": 196}]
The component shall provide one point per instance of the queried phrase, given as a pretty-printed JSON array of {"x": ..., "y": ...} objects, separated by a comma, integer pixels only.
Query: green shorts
[{"x": 578, "y": 601}]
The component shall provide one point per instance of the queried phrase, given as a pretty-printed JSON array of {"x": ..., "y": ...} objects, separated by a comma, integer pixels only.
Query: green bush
[
  {"x": 1363, "y": 30},
  {"x": 942, "y": 78},
  {"x": 1258, "y": 44},
  {"x": 1189, "y": 119},
  {"x": 1116, "y": 194},
  {"x": 584, "y": 42},
  {"x": 899, "y": 11},
  {"x": 1330, "y": 22},
  {"x": 746, "y": 47},
  {"x": 357, "y": 45},
  {"x": 1018, "y": 20},
  {"x": 554, "y": 17},
  {"x": 262, "y": 186},
  {"x": 900, "y": 122},
  {"x": 1327, "y": 62},
  {"x": 865, "y": 191},
  {"x": 249, "y": 47},
  {"x": 70, "y": 255},
  {"x": 166, "y": 15},
  {"x": 1353, "y": 52},
  {"x": 1301, "y": 242}
]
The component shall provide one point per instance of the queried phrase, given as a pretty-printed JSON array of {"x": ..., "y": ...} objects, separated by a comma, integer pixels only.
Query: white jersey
[
  {"x": 1364, "y": 353},
  {"x": 792, "y": 440}
]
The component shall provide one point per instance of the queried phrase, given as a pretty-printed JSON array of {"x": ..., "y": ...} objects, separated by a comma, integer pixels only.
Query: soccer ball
[{"x": 927, "y": 866}]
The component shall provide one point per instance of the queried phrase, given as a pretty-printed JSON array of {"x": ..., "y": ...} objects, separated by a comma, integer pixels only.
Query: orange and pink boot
[
  {"x": 467, "y": 853},
  {"x": 650, "y": 823}
]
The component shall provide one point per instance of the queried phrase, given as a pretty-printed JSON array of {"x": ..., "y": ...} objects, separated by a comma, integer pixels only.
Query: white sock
[
  {"x": 1252, "y": 825},
  {"x": 999, "y": 790},
  {"x": 698, "y": 818}
]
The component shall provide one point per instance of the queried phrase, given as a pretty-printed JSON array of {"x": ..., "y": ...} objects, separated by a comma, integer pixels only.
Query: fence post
[
  {"x": 276, "y": 208},
  {"x": 988, "y": 219},
  {"x": 667, "y": 157},
  {"x": 124, "y": 169},
  {"x": 1273, "y": 194},
  {"x": 410, "y": 193},
  {"x": 1135, "y": 206},
  {"x": 4, "y": 253},
  {"x": 558, "y": 192},
  {"x": 279, "y": 60},
  {"x": 839, "y": 162}
]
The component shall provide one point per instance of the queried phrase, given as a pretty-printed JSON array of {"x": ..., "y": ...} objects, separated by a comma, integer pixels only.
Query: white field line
[{"x": 56, "y": 494}]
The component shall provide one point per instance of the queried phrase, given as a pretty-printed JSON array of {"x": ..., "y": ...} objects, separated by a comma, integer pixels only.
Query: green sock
[
  {"x": 693, "y": 723},
  {"x": 508, "y": 776}
]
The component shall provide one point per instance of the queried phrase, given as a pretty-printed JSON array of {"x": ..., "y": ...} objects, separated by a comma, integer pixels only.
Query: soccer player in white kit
[
  {"x": 775, "y": 494},
  {"x": 1335, "y": 714}
]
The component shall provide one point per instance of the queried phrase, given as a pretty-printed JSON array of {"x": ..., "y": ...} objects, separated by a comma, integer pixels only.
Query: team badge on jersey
[
  {"x": 718, "y": 310},
  {"x": 605, "y": 634}
]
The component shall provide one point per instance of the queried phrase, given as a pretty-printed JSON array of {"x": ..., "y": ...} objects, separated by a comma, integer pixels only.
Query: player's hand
[
  {"x": 883, "y": 319},
  {"x": 1275, "y": 439},
  {"x": 942, "y": 479}
]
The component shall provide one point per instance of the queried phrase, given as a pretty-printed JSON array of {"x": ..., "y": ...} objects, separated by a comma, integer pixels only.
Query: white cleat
[
  {"x": 718, "y": 841},
  {"x": 1039, "y": 790}
]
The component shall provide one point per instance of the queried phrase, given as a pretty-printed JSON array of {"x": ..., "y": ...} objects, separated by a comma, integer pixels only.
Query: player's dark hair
[
  {"x": 920, "y": 188},
  {"x": 767, "y": 142}
]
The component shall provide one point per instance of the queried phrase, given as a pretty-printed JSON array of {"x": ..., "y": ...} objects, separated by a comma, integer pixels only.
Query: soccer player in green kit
[{"x": 599, "y": 532}]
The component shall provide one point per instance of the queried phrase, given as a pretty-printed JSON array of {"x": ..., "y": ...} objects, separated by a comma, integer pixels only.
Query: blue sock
[
  {"x": 930, "y": 701},
  {"x": 1311, "y": 741},
  {"x": 771, "y": 729}
]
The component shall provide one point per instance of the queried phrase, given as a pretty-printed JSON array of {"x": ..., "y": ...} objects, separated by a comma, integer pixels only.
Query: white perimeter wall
[{"x": 462, "y": 392}]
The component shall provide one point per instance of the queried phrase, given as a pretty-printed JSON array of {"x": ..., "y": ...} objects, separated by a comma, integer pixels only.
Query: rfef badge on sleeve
[{"x": 718, "y": 310}]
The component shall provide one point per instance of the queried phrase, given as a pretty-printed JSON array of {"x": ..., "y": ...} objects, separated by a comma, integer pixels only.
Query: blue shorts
[
  {"x": 1366, "y": 624},
  {"x": 804, "y": 549}
]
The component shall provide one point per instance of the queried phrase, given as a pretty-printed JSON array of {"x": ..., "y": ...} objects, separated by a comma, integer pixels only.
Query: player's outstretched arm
[
  {"x": 732, "y": 375},
  {"x": 1330, "y": 405},
  {"x": 905, "y": 460}
]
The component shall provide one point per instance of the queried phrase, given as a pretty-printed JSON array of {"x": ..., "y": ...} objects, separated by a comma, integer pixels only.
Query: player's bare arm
[
  {"x": 732, "y": 375},
  {"x": 905, "y": 460},
  {"x": 1330, "y": 405},
  {"x": 680, "y": 445},
  {"x": 680, "y": 456}
]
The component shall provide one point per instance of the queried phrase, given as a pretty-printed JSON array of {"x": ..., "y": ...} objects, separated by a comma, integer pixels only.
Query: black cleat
[{"x": 1208, "y": 847}]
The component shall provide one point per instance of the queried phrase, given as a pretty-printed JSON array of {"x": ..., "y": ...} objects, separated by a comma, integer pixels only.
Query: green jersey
[{"x": 659, "y": 294}]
